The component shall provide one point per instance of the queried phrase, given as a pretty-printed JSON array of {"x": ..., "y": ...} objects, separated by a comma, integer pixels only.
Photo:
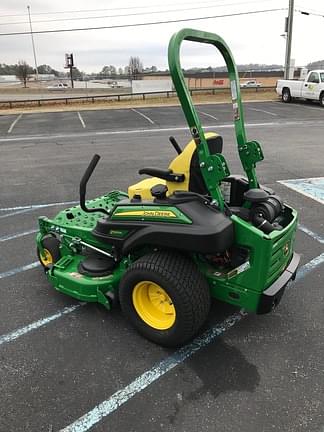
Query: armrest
[{"x": 167, "y": 175}]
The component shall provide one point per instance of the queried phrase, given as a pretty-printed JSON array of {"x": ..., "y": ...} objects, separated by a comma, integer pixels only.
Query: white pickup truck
[{"x": 312, "y": 88}]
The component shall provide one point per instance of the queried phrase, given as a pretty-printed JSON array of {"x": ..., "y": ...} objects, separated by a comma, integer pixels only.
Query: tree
[
  {"x": 150, "y": 69},
  {"x": 120, "y": 71},
  {"x": 46, "y": 69},
  {"x": 108, "y": 70},
  {"x": 76, "y": 74},
  {"x": 135, "y": 67},
  {"x": 23, "y": 71},
  {"x": 319, "y": 64}
]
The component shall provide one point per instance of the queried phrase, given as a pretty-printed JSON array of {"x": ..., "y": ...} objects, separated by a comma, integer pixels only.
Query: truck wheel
[
  {"x": 321, "y": 99},
  {"x": 285, "y": 96},
  {"x": 165, "y": 298},
  {"x": 51, "y": 253}
]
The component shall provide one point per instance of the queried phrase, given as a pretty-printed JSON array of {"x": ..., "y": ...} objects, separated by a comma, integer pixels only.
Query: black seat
[{"x": 196, "y": 182}]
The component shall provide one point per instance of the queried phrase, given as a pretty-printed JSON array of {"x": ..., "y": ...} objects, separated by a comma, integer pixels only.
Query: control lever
[
  {"x": 83, "y": 186},
  {"x": 175, "y": 144}
]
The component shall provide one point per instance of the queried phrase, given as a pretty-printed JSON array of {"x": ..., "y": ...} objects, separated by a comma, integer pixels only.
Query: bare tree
[
  {"x": 23, "y": 72},
  {"x": 135, "y": 67}
]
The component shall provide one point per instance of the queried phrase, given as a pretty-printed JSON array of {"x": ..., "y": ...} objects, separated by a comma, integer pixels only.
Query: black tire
[
  {"x": 286, "y": 96},
  {"x": 52, "y": 245},
  {"x": 186, "y": 287},
  {"x": 321, "y": 99}
]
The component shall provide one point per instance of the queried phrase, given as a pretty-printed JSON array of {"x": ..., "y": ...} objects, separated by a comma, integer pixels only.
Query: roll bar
[{"x": 213, "y": 167}]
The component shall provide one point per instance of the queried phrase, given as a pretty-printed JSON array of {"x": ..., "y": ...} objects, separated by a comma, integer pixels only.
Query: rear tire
[
  {"x": 321, "y": 99},
  {"x": 286, "y": 96},
  {"x": 165, "y": 298}
]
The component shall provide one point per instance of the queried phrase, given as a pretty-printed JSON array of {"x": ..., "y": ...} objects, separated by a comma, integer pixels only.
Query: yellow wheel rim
[
  {"x": 46, "y": 257},
  {"x": 154, "y": 305}
]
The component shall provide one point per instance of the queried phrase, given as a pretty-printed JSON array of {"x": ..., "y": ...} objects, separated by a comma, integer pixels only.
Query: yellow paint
[
  {"x": 179, "y": 165},
  {"x": 153, "y": 305},
  {"x": 143, "y": 188}
]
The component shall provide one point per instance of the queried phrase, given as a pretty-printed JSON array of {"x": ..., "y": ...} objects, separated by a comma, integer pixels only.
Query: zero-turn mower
[{"x": 180, "y": 237}]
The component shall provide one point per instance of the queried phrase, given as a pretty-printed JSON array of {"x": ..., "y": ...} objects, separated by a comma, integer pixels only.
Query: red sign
[{"x": 218, "y": 82}]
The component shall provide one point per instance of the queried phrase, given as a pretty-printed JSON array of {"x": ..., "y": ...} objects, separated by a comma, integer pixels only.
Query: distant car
[
  {"x": 115, "y": 84},
  {"x": 59, "y": 86},
  {"x": 251, "y": 83}
]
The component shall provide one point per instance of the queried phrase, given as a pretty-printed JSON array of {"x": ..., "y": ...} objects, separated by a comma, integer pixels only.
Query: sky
[{"x": 253, "y": 38}]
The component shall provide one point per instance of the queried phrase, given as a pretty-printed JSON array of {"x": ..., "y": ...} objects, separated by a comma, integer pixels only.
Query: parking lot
[{"x": 75, "y": 367}]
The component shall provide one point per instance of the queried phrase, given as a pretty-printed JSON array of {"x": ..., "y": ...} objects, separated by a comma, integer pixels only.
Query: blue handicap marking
[{"x": 311, "y": 187}]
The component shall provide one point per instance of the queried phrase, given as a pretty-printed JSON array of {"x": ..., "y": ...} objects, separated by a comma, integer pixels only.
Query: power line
[
  {"x": 143, "y": 24},
  {"x": 305, "y": 12},
  {"x": 122, "y": 15},
  {"x": 308, "y": 11},
  {"x": 128, "y": 8}
]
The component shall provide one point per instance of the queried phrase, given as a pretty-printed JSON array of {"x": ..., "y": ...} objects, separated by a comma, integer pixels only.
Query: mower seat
[{"x": 184, "y": 168}]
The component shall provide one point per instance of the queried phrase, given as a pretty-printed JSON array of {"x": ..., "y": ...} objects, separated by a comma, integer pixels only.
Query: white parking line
[
  {"x": 307, "y": 107},
  {"x": 9, "y": 337},
  {"x": 143, "y": 115},
  {"x": 208, "y": 115},
  {"x": 157, "y": 130},
  {"x": 81, "y": 120},
  {"x": 14, "y": 123},
  {"x": 3, "y": 216},
  {"x": 17, "y": 235},
  {"x": 17, "y": 270},
  {"x": 260, "y": 110},
  {"x": 310, "y": 187},
  {"x": 110, "y": 405},
  {"x": 311, "y": 233},
  {"x": 38, "y": 206},
  {"x": 310, "y": 266}
]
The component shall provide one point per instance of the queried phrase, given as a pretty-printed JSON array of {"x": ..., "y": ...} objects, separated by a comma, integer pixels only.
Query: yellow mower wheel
[
  {"x": 154, "y": 305},
  {"x": 46, "y": 258},
  {"x": 51, "y": 251}
]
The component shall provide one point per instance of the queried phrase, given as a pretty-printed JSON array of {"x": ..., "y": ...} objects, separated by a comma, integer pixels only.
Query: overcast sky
[{"x": 252, "y": 38}]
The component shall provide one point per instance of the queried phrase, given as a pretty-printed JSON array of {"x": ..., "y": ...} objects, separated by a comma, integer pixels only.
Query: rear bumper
[{"x": 271, "y": 297}]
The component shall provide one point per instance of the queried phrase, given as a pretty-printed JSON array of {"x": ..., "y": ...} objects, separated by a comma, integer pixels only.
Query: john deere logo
[
  {"x": 158, "y": 213},
  {"x": 147, "y": 213},
  {"x": 286, "y": 249}
]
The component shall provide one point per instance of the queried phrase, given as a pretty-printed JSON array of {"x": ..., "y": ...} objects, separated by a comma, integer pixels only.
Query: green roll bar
[{"x": 213, "y": 167}]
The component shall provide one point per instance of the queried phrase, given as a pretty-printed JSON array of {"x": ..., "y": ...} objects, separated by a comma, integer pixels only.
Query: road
[{"x": 60, "y": 359}]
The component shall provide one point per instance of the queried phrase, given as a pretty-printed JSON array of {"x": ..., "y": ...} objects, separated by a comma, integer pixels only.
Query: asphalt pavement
[{"x": 61, "y": 360}]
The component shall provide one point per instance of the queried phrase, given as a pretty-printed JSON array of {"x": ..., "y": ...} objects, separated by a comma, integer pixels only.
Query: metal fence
[{"x": 124, "y": 96}]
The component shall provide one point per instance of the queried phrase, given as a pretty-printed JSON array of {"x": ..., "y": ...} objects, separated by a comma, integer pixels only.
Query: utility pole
[
  {"x": 32, "y": 38},
  {"x": 288, "y": 30}
]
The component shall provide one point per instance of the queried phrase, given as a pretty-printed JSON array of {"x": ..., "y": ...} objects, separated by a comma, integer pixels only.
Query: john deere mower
[{"x": 181, "y": 236}]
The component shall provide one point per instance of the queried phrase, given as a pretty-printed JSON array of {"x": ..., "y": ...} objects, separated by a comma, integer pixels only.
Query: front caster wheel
[
  {"x": 51, "y": 252},
  {"x": 165, "y": 298}
]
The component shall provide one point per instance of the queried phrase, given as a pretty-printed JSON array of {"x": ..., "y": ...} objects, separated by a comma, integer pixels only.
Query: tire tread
[{"x": 191, "y": 285}]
